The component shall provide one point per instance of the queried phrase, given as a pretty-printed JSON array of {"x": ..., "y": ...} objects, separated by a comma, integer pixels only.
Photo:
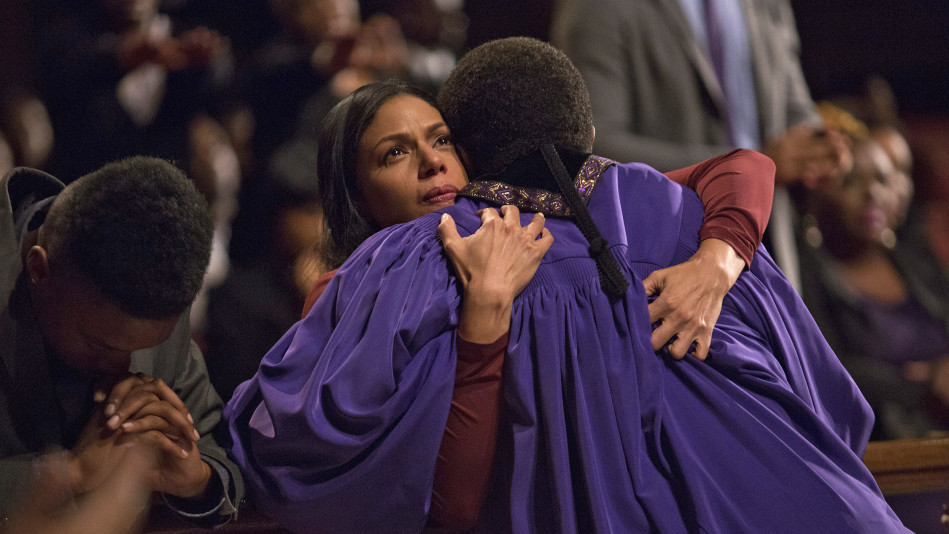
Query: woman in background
[{"x": 882, "y": 305}]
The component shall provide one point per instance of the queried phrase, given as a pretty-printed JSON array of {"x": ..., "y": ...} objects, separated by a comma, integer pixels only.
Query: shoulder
[
  {"x": 653, "y": 216},
  {"x": 646, "y": 187},
  {"x": 408, "y": 255},
  {"x": 168, "y": 359},
  {"x": 409, "y": 241}
]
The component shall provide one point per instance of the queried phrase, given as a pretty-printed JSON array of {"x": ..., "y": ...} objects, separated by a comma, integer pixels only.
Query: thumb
[
  {"x": 447, "y": 230},
  {"x": 653, "y": 283}
]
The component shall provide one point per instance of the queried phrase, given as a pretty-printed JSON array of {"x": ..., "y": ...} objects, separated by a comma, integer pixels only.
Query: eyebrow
[{"x": 404, "y": 135}]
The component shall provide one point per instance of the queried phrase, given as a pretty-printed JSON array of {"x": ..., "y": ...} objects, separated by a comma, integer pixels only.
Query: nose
[
  {"x": 431, "y": 164},
  {"x": 877, "y": 188}
]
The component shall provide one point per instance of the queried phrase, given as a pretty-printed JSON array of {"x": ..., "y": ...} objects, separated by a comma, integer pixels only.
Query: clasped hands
[{"x": 140, "y": 412}]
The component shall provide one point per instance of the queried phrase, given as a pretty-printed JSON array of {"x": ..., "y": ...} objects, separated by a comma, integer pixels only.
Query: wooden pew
[
  {"x": 913, "y": 475},
  {"x": 909, "y": 465}
]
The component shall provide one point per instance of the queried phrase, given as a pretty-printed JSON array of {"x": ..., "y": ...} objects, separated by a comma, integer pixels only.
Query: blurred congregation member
[
  {"x": 26, "y": 124},
  {"x": 435, "y": 32},
  {"x": 881, "y": 301},
  {"x": 322, "y": 51},
  {"x": 216, "y": 170},
  {"x": 929, "y": 139},
  {"x": 677, "y": 81},
  {"x": 122, "y": 78},
  {"x": 264, "y": 292}
]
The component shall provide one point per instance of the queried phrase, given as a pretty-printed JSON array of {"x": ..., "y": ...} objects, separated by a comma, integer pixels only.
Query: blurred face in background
[
  {"x": 897, "y": 149},
  {"x": 865, "y": 203},
  {"x": 316, "y": 21}
]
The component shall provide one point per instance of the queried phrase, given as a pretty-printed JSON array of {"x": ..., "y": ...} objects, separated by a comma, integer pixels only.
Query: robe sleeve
[
  {"x": 364, "y": 379},
  {"x": 468, "y": 446},
  {"x": 736, "y": 189}
]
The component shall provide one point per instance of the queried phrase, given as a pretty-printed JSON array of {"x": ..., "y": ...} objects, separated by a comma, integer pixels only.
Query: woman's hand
[
  {"x": 689, "y": 298},
  {"x": 494, "y": 265}
]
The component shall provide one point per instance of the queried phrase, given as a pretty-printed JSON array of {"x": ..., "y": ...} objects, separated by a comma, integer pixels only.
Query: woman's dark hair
[
  {"x": 509, "y": 97},
  {"x": 337, "y": 149}
]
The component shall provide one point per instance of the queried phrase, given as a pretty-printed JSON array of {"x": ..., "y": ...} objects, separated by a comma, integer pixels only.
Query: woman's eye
[
  {"x": 393, "y": 152},
  {"x": 443, "y": 140}
]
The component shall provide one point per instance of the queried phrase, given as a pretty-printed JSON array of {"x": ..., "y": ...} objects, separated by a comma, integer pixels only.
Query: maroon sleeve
[
  {"x": 318, "y": 287},
  {"x": 737, "y": 189},
  {"x": 466, "y": 456}
]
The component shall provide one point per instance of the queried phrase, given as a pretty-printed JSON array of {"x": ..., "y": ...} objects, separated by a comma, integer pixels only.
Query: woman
[
  {"x": 387, "y": 141},
  {"x": 882, "y": 303}
]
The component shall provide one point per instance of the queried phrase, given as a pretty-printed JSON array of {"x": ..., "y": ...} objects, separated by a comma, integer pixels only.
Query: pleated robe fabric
[{"x": 340, "y": 428}]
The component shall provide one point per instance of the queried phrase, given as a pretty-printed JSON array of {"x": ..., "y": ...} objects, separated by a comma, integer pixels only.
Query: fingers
[
  {"x": 160, "y": 416},
  {"x": 447, "y": 229},
  {"x": 679, "y": 345},
  {"x": 118, "y": 396},
  {"x": 114, "y": 393},
  {"x": 536, "y": 226},
  {"x": 678, "y": 329},
  {"x": 510, "y": 214},
  {"x": 662, "y": 334},
  {"x": 545, "y": 242},
  {"x": 653, "y": 285},
  {"x": 159, "y": 441},
  {"x": 140, "y": 396}
]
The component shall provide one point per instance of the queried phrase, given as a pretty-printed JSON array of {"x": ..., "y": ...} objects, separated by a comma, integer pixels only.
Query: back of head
[
  {"x": 138, "y": 231},
  {"x": 507, "y": 98}
]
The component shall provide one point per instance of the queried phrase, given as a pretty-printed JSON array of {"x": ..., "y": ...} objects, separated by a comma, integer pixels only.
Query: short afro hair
[
  {"x": 509, "y": 97},
  {"x": 136, "y": 229}
]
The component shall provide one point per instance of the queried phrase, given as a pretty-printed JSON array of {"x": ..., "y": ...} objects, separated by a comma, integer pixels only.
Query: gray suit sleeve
[
  {"x": 194, "y": 388},
  {"x": 179, "y": 362},
  {"x": 801, "y": 106}
]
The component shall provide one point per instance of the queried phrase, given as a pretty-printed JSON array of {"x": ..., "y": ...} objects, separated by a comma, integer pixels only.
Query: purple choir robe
[{"x": 339, "y": 429}]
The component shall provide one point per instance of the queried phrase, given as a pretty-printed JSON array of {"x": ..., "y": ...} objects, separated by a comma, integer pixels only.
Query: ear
[
  {"x": 37, "y": 263},
  {"x": 592, "y": 134}
]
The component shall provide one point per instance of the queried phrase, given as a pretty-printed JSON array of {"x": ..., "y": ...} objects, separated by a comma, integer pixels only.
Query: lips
[
  {"x": 874, "y": 216},
  {"x": 441, "y": 194}
]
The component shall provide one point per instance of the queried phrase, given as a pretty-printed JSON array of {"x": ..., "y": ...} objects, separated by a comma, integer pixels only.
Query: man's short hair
[
  {"x": 507, "y": 98},
  {"x": 137, "y": 230}
]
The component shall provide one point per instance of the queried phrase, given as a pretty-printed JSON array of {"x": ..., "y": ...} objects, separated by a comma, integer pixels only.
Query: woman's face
[
  {"x": 406, "y": 165},
  {"x": 865, "y": 201}
]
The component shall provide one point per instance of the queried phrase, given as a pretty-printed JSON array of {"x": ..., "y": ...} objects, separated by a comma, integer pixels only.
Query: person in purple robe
[{"x": 340, "y": 429}]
